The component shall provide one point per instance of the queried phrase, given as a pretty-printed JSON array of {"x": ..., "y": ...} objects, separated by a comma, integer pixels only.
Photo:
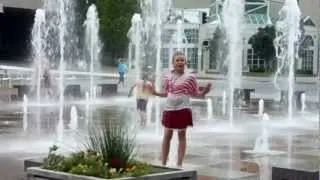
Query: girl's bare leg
[
  {"x": 182, "y": 146},
  {"x": 166, "y": 145}
]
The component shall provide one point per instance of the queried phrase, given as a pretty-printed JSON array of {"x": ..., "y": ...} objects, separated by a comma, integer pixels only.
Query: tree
[
  {"x": 115, "y": 21},
  {"x": 262, "y": 43}
]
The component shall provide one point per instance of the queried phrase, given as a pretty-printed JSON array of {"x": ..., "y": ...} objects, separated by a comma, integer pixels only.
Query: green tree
[
  {"x": 262, "y": 43},
  {"x": 115, "y": 22}
]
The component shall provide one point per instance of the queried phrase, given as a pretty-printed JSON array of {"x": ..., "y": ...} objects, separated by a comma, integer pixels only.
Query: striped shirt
[{"x": 179, "y": 90}]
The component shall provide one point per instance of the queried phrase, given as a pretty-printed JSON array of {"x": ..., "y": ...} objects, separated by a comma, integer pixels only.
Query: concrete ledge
[
  {"x": 36, "y": 173},
  {"x": 32, "y": 163},
  {"x": 293, "y": 174}
]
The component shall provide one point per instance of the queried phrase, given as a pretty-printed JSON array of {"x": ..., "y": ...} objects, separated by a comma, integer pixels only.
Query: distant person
[
  {"x": 46, "y": 82},
  {"x": 122, "y": 69},
  {"x": 143, "y": 90},
  {"x": 178, "y": 86}
]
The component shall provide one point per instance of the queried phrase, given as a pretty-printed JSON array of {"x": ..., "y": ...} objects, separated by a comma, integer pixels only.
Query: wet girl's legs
[
  {"x": 166, "y": 145},
  {"x": 182, "y": 146}
]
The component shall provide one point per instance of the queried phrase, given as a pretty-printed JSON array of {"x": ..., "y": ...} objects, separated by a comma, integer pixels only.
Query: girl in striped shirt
[{"x": 178, "y": 86}]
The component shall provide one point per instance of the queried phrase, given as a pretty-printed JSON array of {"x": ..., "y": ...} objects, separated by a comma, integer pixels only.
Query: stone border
[{"x": 36, "y": 173}]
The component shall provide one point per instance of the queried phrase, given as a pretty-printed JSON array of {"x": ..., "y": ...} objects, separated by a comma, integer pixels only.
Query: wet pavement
[{"x": 215, "y": 149}]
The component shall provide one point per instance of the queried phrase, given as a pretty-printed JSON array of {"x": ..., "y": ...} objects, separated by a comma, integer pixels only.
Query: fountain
[
  {"x": 303, "y": 102},
  {"x": 93, "y": 44},
  {"x": 180, "y": 34},
  {"x": 38, "y": 47},
  {"x": 209, "y": 109},
  {"x": 224, "y": 103},
  {"x": 87, "y": 109},
  {"x": 25, "y": 113},
  {"x": 286, "y": 43},
  {"x": 135, "y": 36},
  {"x": 233, "y": 23},
  {"x": 73, "y": 125},
  {"x": 176, "y": 42},
  {"x": 62, "y": 31},
  {"x": 261, "y": 108},
  {"x": 162, "y": 11},
  {"x": 262, "y": 143}
]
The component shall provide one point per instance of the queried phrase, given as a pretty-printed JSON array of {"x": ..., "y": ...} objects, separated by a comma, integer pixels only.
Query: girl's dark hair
[{"x": 178, "y": 53}]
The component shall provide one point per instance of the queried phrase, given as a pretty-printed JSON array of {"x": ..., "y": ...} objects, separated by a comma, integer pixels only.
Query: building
[{"x": 258, "y": 13}]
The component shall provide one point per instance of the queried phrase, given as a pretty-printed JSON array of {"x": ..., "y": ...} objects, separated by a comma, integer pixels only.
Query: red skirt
[{"x": 179, "y": 119}]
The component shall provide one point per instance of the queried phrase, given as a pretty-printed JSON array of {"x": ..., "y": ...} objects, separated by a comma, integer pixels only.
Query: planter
[{"x": 37, "y": 173}]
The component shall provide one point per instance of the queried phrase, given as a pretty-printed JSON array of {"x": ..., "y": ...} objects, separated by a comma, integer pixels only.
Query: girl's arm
[
  {"x": 160, "y": 94},
  {"x": 204, "y": 91},
  {"x": 155, "y": 93},
  {"x": 195, "y": 90}
]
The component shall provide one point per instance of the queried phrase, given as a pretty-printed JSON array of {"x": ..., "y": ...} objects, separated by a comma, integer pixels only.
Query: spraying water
[
  {"x": 62, "y": 32},
  {"x": 224, "y": 103},
  {"x": 93, "y": 44},
  {"x": 180, "y": 34},
  {"x": 262, "y": 143},
  {"x": 176, "y": 42},
  {"x": 94, "y": 89},
  {"x": 261, "y": 108},
  {"x": 286, "y": 43},
  {"x": 233, "y": 24},
  {"x": 73, "y": 125},
  {"x": 162, "y": 10},
  {"x": 303, "y": 102},
  {"x": 25, "y": 112},
  {"x": 135, "y": 36},
  {"x": 87, "y": 108},
  {"x": 209, "y": 108},
  {"x": 38, "y": 47}
]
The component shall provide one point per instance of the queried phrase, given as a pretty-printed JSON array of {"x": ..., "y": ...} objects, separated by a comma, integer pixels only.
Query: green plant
[
  {"x": 87, "y": 163},
  {"x": 114, "y": 141},
  {"x": 53, "y": 161},
  {"x": 109, "y": 152}
]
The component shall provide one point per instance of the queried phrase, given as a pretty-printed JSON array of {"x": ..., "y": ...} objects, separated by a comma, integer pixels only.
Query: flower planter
[{"x": 37, "y": 173}]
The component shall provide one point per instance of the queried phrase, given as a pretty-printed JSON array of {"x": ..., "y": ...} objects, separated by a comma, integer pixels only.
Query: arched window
[
  {"x": 307, "y": 42},
  {"x": 306, "y": 54}
]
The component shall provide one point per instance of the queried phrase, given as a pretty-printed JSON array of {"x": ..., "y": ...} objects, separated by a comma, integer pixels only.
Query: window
[
  {"x": 165, "y": 56},
  {"x": 257, "y": 19},
  {"x": 254, "y": 61},
  {"x": 192, "y": 35},
  {"x": 192, "y": 54},
  {"x": 167, "y": 35},
  {"x": 306, "y": 54},
  {"x": 307, "y": 60}
]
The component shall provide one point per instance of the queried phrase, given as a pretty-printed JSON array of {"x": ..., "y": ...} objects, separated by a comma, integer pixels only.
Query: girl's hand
[{"x": 207, "y": 88}]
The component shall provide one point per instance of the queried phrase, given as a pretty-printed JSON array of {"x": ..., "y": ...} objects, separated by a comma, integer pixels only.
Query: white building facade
[{"x": 258, "y": 13}]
